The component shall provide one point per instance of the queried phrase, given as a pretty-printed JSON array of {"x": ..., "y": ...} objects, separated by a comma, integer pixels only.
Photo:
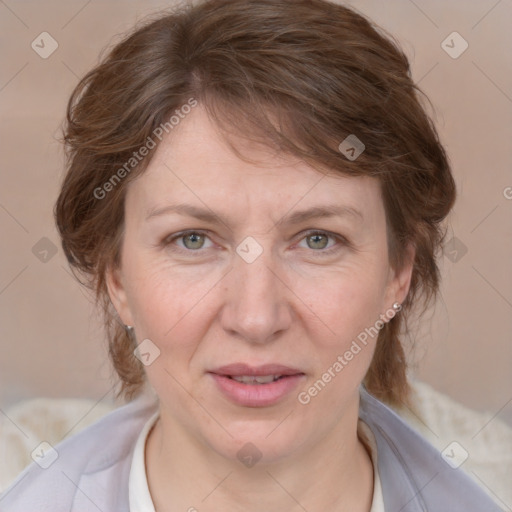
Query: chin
[{"x": 259, "y": 441}]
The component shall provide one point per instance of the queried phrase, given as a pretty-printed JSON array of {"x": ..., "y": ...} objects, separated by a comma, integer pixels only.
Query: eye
[
  {"x": 192, "y": 241},
  {"x": 318, "y": 241}
]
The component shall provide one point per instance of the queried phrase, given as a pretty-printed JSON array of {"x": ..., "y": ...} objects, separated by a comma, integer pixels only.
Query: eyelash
[{"x": 340, "y": 239}]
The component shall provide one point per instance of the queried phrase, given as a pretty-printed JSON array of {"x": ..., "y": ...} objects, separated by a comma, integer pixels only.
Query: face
[{"x": 234, "y": 270}]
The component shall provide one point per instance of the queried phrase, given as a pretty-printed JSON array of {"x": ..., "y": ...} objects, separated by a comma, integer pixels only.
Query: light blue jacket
[{"x": 92, "y": 468}]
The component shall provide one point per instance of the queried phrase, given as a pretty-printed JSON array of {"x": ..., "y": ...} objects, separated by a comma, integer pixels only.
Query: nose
[{"x": 257, "y": 306}]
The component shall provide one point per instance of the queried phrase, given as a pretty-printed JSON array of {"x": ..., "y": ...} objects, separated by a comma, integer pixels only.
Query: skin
[{"x": 204, "y": 306}]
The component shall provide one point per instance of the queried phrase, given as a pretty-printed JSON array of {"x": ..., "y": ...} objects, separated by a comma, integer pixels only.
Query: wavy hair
[{"x": 299, "y": 75}]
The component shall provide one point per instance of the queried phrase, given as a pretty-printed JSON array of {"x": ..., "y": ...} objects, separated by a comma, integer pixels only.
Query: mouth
[
  {"x": 252, "y": 380},
  {"x": 256, "y": 386},
  {"x": 274, "y": 370}
]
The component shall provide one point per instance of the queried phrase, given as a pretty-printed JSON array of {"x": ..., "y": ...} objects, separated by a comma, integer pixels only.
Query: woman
[{"x": 256, "y": 194}]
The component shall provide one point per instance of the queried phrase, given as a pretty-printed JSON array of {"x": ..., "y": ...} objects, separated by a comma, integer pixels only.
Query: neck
[{"x": 183, "y": 474}]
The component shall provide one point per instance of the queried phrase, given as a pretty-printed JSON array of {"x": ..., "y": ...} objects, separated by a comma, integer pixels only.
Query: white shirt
[
  {"x": 140, "y": 498},
  {"x": 138, "y": 489}
]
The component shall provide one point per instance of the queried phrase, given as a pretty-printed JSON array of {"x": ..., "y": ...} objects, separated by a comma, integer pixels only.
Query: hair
[{"x": 298, "y": 75}]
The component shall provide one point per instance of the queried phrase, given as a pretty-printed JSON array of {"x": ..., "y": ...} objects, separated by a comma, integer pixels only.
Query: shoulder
[
  {"x": 102, "y": 451},
  {"x": 415, "y": 476}
]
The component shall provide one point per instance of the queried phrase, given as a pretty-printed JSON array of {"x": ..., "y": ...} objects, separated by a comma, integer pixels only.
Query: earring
[
  {"x": 397, "y": 306},
  {"x": 130, "y": 331}
]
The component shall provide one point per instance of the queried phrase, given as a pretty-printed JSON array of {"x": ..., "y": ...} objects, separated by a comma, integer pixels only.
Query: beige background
[{"x": 52, "y": 344}]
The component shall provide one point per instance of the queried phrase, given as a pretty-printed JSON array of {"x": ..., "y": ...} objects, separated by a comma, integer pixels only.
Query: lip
[
  {"x": 238, "y": 369},
  {"x": 256, "y": 395}
]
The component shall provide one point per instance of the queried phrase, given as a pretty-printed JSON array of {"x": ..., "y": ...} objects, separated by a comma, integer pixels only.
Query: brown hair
[{"x": 300, "y": 75}]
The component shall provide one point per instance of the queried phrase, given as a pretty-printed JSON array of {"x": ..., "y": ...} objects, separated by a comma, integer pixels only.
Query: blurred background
[{"x": 51, "y": 337}]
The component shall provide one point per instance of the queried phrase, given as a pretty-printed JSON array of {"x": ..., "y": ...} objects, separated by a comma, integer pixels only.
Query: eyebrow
[{"x": 297, "y": 217}]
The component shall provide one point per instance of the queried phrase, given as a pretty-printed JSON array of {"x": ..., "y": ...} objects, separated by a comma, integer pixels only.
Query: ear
[
  {"x": 117, "y": 293},
  {"x": 400, "y": 279}
]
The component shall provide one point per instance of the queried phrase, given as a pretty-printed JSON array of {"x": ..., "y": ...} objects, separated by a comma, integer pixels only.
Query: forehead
[{"x": 196, "y": 165}]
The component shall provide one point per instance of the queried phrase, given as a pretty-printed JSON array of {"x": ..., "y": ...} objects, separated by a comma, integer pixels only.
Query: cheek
[
  {"x": 342, "y": 304},
  {"x": 165, "y": 301},
  {"x": 347, "y": 307}
]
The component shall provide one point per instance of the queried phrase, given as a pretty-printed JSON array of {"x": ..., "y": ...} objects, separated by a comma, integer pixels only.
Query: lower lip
[{"x": 257, "y": 395}]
